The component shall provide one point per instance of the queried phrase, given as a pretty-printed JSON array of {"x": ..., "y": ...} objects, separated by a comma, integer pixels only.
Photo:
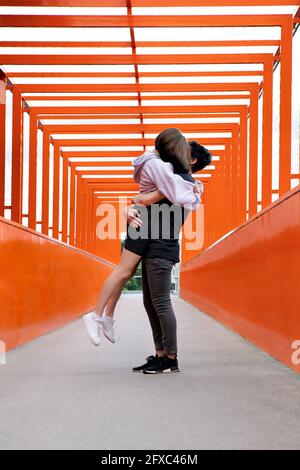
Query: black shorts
[
  {"x": 146, "y": 244},
  {"x": 138, "y": 246}
]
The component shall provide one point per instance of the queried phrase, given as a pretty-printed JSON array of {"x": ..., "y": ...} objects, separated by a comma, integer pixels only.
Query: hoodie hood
[{"x": 139, "y": 162}]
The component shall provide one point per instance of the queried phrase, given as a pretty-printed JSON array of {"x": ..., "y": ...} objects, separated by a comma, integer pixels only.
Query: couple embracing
[{"x": 165, "y": 178}]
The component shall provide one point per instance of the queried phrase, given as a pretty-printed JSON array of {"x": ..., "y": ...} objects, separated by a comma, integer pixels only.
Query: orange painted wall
[
  {"x": 250, "y": 281},
  {"x": 43, "y": 283}
]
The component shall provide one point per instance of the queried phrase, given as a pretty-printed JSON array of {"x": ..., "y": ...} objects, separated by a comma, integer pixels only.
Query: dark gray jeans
[{"x": 156, "y": 281}]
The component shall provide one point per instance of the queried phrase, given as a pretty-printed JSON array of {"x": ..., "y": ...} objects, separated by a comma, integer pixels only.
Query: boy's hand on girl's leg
[{"x": 133, "y": 217}]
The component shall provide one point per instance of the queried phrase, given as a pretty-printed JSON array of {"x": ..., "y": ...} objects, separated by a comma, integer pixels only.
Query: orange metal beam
[
  {"x": 285, "y": 107},
  {"x": 45, "y": 183},
  {"x": 253, "y": 154},
  {"x": 133, "y": 128},
  {"x": 72, "y": 207},
  {"x": 243, "y": 151},
  {"x": 139, "y": 21},
  {"x": 104, "y": 153},
  {"x": 133, "y": 49},
  {"x": 267, "y": 135},
  {"x": 145, "y": 3},
  {"x": 124, "y": 59},
  {"x": 78, "y": 226},
  {"x": 112, "y": 142},
  {"x": 2, "y": 140},
  {"x": 98, "y": 164},
  {"x": 87, "y": 155},
  {"x": 104, "y": 172},
  {"x": 43, "y": 74},
  {"x": 132, "y": 98},
  {"x": 56, "y": 189},
  {"x": 32, "y": 171},
  {"x": 17, "y": 157},
  {"x": 70, "y": 117},
  {"x": 146, "y": 87},
  {"x": 129, "y": 110},
  {"x": 118, "y": 44},
  {"x": 65, "y": 200}
]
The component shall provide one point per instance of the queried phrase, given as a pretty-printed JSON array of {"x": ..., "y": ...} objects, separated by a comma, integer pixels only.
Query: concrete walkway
[{"x": 61, "y": 392}]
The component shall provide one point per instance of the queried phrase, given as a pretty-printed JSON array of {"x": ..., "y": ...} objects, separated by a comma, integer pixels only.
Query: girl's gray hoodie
[{"x": 151, "y": 172}]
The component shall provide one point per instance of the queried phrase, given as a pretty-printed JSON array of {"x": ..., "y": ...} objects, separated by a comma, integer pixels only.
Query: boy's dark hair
[
  {"x": 173, "y": 147},
  {"x": 203, "y": 156}
]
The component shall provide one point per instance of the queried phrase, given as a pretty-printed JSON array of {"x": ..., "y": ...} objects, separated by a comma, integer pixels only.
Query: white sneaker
[
  {"x": 107, "y": 324},
  {"x": 92, "y": 327}
]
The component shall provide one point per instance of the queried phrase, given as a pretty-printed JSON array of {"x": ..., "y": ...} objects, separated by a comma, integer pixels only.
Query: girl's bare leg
[
  {"x": 117, "y": 279},
  {"x": 111, "y": 304}
]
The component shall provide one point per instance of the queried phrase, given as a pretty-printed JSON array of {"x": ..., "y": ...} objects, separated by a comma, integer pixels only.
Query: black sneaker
[
  {"x": 151, "y": 361},
  {"x": 165, "y": 364}
]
